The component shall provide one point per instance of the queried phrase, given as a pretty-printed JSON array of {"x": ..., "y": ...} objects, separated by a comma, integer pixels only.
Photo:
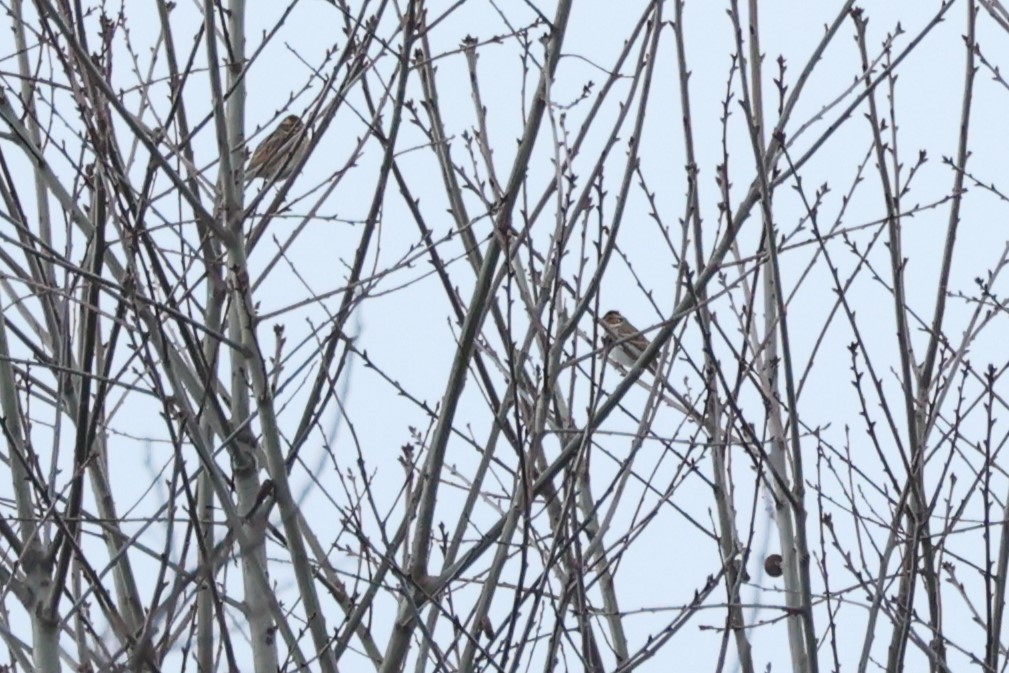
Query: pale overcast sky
[{"x": 407, "y": 330}]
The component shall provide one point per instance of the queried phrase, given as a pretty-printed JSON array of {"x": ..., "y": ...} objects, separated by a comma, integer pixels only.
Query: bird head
[{"x": 612, "y": 318}]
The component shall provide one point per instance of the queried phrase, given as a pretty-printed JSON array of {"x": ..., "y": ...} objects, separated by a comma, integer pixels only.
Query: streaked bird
[
  {"x": 623, "y": 343},
  {"x": 276, "y": 157}
]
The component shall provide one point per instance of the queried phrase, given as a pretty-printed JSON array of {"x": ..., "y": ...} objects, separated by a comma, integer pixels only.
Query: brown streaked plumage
[
  {"x": 624, "y": 343},
  {"x": 277, "y": 156}
]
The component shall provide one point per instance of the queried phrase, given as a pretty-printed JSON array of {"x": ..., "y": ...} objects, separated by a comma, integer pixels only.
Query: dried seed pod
[{"x": 772, "y": 564}]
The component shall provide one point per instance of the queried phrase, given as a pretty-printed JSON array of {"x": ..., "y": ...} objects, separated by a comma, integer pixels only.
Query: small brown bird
[
  {"x": 276, "y": 157},
  {"x": 624, "y": 343}
]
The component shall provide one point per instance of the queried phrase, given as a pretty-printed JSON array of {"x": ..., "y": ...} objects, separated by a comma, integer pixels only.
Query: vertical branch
[
  {"x": 471, "y": 326},
  {"x": 791, "y": 531},
  {"x": 229, "y": 118},
  {"x": 719, "y": 449},
  {"x": 918, "y": 509}
]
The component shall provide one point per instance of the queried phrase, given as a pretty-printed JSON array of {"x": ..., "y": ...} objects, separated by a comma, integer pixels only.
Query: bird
[
  {"x": 276, "y": 157},
  {"x": 623, "y": 343}
]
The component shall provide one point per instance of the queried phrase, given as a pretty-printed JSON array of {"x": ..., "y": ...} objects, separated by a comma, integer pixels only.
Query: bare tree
[{"x": 689, "y": 348}]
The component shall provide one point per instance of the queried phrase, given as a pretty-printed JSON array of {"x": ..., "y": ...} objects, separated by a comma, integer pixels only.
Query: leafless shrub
[{"x": 204, "y": 378}]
